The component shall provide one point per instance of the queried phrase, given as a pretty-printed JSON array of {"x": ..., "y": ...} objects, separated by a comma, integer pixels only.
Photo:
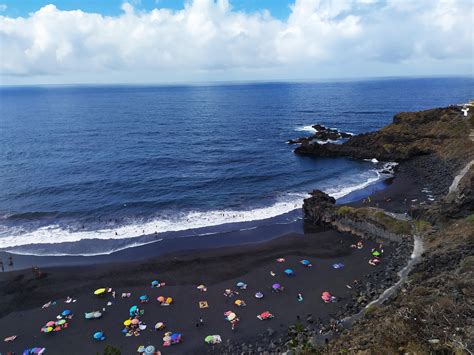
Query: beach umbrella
[
  {"x": 230, "y": 315},
  {"x": 160, "y": 299},
  {"x": 259, "y": 295},
  {"x": 142, "y": 326},
  {"x": 66, "y": 312},
  {"x": 338, "y": 265},
  {"x": 238, "y": 302},
  {"x": 201, "y": 288},
  {"x": 376, "y": 253},
  {"x": 281, "y": 260},
  {"x": 150, "y": 349},
  {"x": 50, "y": 323},
  {"x": 241, "y": 285},
  {"x": 209, "y": 339},
  {"x": 127, "y": 322},
  {"x": 143, "y": 298},
  {"x": 154, "y": 283},
  {"x": 276, "y": 286},
  {"x": 176, "y": 337},
  {"x": 169, "y": 300},
  {"x": 46, "y": 329},
  {"x": 167, "y": 338},
  {"x": 100, "y": 291},
  {"x": 133, "y": 309},
  {"x": 99, "y": 336},
  {"x": 61, "y": 322},
  {"x": 141, "y": 349},
  {"x": 289, "y": 272},
  {"x": 135, "y": 321},
  {"x": 305, "y": 262}
]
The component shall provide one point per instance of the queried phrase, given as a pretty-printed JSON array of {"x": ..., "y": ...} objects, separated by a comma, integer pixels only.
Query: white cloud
[{"x": 208, "y": 40}]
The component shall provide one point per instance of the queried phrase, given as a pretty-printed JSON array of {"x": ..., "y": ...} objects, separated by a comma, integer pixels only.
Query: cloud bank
[{"x": 208, "y": 40}]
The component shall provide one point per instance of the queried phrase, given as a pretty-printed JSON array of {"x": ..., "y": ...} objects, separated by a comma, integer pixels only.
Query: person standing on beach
[
  {"x": 1, "y": 264},
  {"x": 10, "y": 261}
]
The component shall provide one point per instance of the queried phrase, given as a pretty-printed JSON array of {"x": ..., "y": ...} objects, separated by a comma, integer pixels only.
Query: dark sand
[
  {"x": 218, "y": 269},
  {"x": 22, "y": 294}
]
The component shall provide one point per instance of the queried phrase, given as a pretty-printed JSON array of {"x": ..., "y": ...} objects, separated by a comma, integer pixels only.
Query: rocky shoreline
[{"x": 434, "y": 146}]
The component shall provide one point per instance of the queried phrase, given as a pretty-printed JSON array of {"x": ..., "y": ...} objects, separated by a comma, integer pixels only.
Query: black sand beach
[{"x": 218, "y": 268}]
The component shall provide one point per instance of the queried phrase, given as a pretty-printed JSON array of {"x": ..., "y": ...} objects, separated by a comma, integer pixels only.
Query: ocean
[{"x": 88, "y": 170}]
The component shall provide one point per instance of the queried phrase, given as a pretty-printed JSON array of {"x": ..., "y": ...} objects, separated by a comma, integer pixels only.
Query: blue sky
[
  {"x": 14, "y": 8},
  {"x": 142, "y": 41}
]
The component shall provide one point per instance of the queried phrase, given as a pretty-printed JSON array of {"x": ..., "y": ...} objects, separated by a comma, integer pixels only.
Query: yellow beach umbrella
[
  {"x": 99, "y": 291},
  {"x": 127, "y": 322}
]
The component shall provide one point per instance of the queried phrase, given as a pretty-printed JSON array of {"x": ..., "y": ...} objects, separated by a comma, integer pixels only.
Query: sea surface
[{"x": 90, "y": 170}]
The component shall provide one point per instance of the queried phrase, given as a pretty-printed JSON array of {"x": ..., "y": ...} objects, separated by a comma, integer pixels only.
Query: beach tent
[
  {"x": 99, "y": 336},
  {"x": 66, "y": 312},
  {"x": 100, "y": 291},
  {"x": 289, "y": 272},
  {"x": 213, "y": 339},
  {"x": 259, "y": 295}
]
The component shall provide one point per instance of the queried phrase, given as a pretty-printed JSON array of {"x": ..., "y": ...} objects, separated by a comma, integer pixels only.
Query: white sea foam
[
  {"x": 53, "y": 234},
  {"x": 306, "y": 129}
]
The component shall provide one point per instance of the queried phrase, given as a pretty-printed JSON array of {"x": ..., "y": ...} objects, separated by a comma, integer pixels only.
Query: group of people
[{"x": 10, "y": 263}]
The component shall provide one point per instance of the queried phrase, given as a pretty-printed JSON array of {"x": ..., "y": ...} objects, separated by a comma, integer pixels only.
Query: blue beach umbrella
[
  {"x": 143, "y": 298},
  {"x": 150, "y": 349},
  {"x": 305, "y": 262},
  {"x": 99, "y": 336},
  {"x": 289, "y": 272},
  {"x": 240, "y": 284},
  {"x": 154, "y": 283},
  {"x": 66, "y": 312},
  {"x": 133, "y": 310}
]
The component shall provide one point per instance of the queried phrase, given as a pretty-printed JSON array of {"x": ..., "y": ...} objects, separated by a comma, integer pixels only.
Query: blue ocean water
[{"x": 110, "y": 163}]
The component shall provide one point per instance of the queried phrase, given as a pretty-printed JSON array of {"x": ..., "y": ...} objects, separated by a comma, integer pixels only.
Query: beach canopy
[
  {"x": 289, "y": 272},
  {"x": 66, "y": 312},
  {"x": 100, "y": 291},
  {"x": 127, "y": 322},
  {"x": 276, "y": 286},
  {"x": 259, "y": 295},
  {"x": 99, "y": 336}
]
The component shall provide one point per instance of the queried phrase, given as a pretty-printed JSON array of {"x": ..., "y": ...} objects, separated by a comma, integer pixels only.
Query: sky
[{"x": 174, "y": 41}]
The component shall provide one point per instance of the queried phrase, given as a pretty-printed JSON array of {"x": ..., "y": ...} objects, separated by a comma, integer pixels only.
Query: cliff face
[{"x": 444, "y": 132}]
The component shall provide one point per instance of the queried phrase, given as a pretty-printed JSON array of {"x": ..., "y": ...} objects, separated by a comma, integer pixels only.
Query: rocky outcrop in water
[{"x": 323, "y": 134}]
